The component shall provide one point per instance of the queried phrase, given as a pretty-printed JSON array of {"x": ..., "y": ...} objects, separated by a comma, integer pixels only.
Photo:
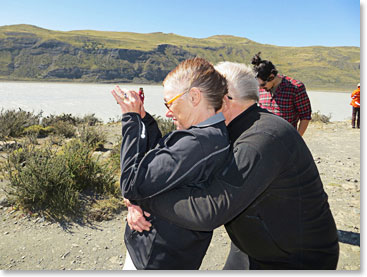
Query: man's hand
[{"x": 135, "y": 218}]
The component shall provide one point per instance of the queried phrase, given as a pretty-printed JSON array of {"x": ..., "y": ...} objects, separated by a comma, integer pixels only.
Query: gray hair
[
  {"x": 199, "y": 73},
  {"x": 241, "y": 80}
]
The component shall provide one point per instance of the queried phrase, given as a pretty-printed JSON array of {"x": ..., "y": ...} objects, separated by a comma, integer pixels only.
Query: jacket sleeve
[
  {"x": 248, "y": 173},
  {"x": 153, "y": 132},
  {"x": 176, "y": 160}
]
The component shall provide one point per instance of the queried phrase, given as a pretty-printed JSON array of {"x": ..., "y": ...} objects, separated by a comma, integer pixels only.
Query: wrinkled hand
[
  {"x": 135, "y": 218},
  {"x": 129, "y": 101}
]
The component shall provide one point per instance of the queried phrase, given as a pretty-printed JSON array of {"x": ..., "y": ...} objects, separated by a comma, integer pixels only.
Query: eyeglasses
[{"x": 168, "y": 104}]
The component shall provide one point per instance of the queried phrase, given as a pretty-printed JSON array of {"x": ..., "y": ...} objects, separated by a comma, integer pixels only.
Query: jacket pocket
[{"x": 140, "y": 245}]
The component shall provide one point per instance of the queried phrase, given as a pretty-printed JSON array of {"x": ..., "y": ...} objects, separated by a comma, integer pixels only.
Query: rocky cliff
[
  {"x": 32, "y": 53},
  {"x": 30, "y": 57}
]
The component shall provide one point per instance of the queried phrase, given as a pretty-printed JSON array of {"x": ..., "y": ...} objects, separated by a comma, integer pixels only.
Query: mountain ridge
[{"x": 29, "y": 52}]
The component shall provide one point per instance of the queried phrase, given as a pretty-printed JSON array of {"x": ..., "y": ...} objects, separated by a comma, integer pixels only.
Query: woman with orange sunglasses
[{"x": 189, "y": 156}]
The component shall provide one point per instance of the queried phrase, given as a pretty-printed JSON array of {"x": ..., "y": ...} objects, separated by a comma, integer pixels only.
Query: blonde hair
[
  {"x": 241, "y": 79},
  {"x": 199, "y": 73}
]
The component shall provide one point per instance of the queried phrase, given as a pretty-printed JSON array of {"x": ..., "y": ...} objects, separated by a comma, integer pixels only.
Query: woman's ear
[{"x": 195, "y": 96}]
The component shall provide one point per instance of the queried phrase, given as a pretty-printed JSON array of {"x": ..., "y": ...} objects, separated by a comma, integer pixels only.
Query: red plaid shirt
[{"x": 289, "y": 101}]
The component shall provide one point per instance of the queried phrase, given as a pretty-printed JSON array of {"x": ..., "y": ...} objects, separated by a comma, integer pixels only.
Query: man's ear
[
  {"x": 195, "y": 96},
  {"x": 225, "y": 105}
]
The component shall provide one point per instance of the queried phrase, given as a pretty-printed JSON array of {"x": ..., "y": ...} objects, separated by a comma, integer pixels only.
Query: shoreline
[{"x": 337, "y": 90}]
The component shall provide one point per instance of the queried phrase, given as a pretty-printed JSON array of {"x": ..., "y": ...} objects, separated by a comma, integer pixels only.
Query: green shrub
[
  {"x": 88, "y": 173},
  {"x": 92, "y": 137},
  {"x": 165, "y": 125},
  {"x": 318, "y": 117},
  {"x": 51, "y": 120},
  {"x": 39, "y": 131},
  {"x": 115, "y": 155},
  {"x": 50, "y": 181},
  {"x": 116, "y": 119},
  {"x": 104, "y": 209},
  {"x": 56, "y": 139},
  {"x": 90, "y": 120},
  {"x": 18, "y": 156},
  {"x": 13, "y": 122},
  {"x": 40, "y": 181},
  {"x": 63, "y": 128}
]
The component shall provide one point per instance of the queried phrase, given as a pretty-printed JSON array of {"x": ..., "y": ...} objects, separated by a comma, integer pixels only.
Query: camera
[{"x": 141, "y": 94}]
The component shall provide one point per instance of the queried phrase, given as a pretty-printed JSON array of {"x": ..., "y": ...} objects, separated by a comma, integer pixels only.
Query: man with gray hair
[{"x": 269, "y": 196}]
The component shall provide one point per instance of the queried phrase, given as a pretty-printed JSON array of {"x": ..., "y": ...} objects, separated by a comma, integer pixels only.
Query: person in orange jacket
[{"x": 356, "y": 107}]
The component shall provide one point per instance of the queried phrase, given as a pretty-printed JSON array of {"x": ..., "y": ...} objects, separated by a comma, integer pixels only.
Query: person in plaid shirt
[{"x": 282, "y": 95}]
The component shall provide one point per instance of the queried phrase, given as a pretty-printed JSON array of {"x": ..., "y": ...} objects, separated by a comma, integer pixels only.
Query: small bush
[
  {"x": 38, "y": 131},
  {"x": 92, "y": 137},
  {"x": 18, "y": 156},
  {"x": 116, "y": 119},
  {"x": 50, "y": 182},
  {"x": 318, "y": 117},
  {"x": 115, "y": 155},
  {"x": 64, "y": 129},
  {"x": 40, "y": 181},
  {"x": 90, "y": 120},
  {"x": 13, "y": 122},
  {"x": 51, "y": 120},
  {"x": 56, "y": 140},
  {"x": 105, "y": 209},
  {"x": 165, "y": 125},
  {"x": 87, "y": 172}
]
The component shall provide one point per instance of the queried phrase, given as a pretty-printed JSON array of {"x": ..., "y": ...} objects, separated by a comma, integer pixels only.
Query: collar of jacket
[
  {"x": 211, "y": 120},
  {"x": 242, "y": 122}
]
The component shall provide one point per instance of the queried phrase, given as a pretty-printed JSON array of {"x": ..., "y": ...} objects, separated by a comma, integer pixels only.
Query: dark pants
[
  {"x": 236, "y": 260},
  {"x": 356, "y": 115}
]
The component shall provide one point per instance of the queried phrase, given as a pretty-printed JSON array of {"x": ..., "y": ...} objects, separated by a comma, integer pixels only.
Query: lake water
[{"x": 82, "y": 99}]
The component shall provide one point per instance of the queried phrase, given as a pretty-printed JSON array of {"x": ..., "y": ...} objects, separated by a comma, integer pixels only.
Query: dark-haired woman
[{"x": 282, "y": 95}]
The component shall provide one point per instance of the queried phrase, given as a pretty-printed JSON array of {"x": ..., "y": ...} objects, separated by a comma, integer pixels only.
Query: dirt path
[{"x": 33, "y": 244}]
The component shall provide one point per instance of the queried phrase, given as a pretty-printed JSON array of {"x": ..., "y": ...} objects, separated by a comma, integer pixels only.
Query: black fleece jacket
[
  {"x": 269, "y": 196},
  {"x": 182, "y": 158}
]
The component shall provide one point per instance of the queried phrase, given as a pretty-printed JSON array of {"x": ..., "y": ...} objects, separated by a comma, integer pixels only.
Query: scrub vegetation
[
  {"x": 58, "y": 166},
  {"x": 318, "y": 117}
]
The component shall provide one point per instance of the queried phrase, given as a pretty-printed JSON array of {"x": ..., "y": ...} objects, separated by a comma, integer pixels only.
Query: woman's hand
[
  {"x": 129, "y": 101},
  {"x": 135, "y": 218}
]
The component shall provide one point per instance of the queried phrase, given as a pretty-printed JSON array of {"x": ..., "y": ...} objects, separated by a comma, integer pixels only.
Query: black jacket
[
  {"x": 269, "y": 196},
  {"x": 183, "y": 158}
]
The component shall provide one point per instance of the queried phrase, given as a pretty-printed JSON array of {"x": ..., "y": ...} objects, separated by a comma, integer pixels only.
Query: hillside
[{"x": 32, "y": 53}]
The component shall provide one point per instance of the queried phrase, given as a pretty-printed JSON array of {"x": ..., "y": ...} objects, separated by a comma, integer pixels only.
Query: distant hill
[{"x": 31, "y": 53}]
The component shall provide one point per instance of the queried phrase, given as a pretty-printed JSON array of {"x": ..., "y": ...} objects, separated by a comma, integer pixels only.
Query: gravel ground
[{"x": 34, "y": 244}]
